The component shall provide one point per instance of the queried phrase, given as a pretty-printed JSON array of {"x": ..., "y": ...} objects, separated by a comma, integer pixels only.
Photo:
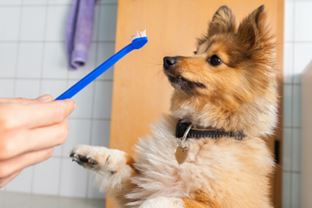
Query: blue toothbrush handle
[{"x": 73, "y": 90}]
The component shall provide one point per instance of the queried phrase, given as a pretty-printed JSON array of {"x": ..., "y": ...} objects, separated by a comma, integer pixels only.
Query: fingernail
[{"x": 44, "y": 98}]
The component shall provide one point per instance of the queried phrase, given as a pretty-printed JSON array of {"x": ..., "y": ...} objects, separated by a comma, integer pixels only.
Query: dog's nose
[{"x": 169, "y": 61}]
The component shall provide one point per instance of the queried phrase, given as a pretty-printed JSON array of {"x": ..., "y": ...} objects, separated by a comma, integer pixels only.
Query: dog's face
[{"x": 230, "y": 66}]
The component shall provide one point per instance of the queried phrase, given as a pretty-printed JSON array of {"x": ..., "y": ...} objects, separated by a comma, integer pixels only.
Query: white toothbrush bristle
[{"x": 139, "y": 35}]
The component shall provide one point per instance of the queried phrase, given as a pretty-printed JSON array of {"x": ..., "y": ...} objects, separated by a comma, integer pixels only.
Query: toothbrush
[{"x": 137, "y": 42}]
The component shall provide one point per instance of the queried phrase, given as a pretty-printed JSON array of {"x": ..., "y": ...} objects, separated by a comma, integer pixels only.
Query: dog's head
[{"x": 232, "y": 65}]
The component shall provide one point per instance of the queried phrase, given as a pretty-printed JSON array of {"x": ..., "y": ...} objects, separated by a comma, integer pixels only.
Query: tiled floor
[{"x": 20, "y": 200}]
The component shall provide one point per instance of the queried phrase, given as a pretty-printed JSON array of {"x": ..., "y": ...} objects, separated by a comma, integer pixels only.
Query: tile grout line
[
  {"x": 291, "y": 85},
  {"x": 40, "y": 79},
  {"x": 291, "y": 171},
  {"x": 67, "y": 85},
  {"x": 16, "y": 64},
  {"x": 95, "y": 29},
  {"x": 51, "y": 79},
  {"x": 292, "y": 94},
  {"x": 17, "y": 53},
  {"x": 50, "y": 5},
  {"x": 297, "y": 41},
  {"x": 292, "y": 127},
  {"x": 62, "y": 149},
  {"x": 50, "y": 41}
]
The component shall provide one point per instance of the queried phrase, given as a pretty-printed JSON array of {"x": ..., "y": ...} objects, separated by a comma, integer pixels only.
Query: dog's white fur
[
  {"x": 161, "y": 175},
  {"x": 223, "y": 172},
  {"x": 163, "y": 202},
  {"x": 113, "y": 169}
]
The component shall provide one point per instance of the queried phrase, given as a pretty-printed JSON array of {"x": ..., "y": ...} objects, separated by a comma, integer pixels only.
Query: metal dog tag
[
  {"x": 183, "y": 147},
  {"x": 181, "y": 154}
]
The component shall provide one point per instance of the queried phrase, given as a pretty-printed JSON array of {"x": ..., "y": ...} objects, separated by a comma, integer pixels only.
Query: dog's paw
[
  {"x": 84, "y": 156},
  {"x": 98, "y": 158}
]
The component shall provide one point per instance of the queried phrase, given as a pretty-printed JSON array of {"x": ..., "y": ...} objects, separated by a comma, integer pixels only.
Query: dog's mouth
[{"x": 179, "y": 82}]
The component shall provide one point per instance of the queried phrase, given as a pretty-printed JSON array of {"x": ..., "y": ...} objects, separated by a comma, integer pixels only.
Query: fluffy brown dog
[{"x": 210, "y": 151}]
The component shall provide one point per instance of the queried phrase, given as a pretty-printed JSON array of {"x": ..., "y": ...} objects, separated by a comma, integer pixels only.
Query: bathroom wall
[
  {"x": 33, "y": 62},
  {"x": 297, "y": 55}
]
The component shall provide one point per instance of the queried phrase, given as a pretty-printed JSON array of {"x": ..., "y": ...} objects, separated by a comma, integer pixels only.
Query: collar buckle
[{"x": 182, "y": 131}]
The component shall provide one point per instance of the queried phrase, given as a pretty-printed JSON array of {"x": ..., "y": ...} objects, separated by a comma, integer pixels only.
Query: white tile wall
[
  {"x": 58, "y": 2},
  {"x": 7, "y": 87},
  {"x": 295, "y": 190},
  {"x": 54, "y": 61},
  {"x": 288, "y": 62},
  {"x": 100, "y": 132},
  {"x": 10, "y": 30},
  {"x": 34, "y": 2},
  {"x": 288, "y": 105},
  {"x": 34, "y": 62},
  {"x": 107, "y": 20},
  {"x": 296, "y": 150},
  {"x": 289, "y": 20},
  {"x": 52, "y": 87},
  {"x": 302, "y": 56},
  {"x": 287, "y": 151},
  {"x": 302, "y": 13},
  {"x": 46, "y": 177},
  {"x": 287, "y": 190},
  {"x": 102, "y": 55},
  {"x": 73, "y": 181},
  {"x": 56, "y": 15},
  {"x": 33, "y": 21},
  {"x": 27, "y": 88},
  {"x": 92, "y": 191},
  {"x": 101, "y": 95},
  {"x": 80, "y": 131},
  {"x": 10, "y": 2},
  {"x": 8, "y": 52},
  {"x": 85, "y": 100},
  {"x": 297, "y": 55},
  {"x": 29, "y": 62},
  {"x": 23, "y": 182}
]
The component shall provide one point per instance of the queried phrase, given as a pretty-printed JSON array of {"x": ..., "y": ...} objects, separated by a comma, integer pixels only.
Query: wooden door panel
[{"x": 141, "y": 93}]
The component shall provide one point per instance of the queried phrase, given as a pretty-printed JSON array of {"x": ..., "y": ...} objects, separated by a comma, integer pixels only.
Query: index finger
[
  {"x": 20, "y": 100},
  {"x": 33, "y": 115}
]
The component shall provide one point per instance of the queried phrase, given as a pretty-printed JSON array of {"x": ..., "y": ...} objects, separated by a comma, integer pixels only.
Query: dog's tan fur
[{"x": 237, "y": 95}]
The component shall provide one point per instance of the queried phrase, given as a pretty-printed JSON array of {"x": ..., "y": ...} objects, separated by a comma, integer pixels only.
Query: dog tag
[{"x": 181, "y": 154}]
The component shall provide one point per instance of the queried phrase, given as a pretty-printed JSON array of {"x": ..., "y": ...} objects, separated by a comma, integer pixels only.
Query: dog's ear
[
  {"x": 252, "y": 28},
  {"x": 223, "y": 21}
]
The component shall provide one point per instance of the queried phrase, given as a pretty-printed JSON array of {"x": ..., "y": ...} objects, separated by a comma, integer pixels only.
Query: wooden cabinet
[{"x": 141, "y": 93}]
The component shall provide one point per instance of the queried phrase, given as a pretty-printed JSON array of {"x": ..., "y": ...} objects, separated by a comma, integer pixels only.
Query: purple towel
[{"x": 79, "y": 31}]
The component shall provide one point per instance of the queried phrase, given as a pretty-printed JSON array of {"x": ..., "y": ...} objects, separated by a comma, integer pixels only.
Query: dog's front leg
[{"x": 114, "y": 167}]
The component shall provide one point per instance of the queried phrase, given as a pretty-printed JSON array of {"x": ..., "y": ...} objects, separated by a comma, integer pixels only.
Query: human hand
[{"x": 29, "y": 131}]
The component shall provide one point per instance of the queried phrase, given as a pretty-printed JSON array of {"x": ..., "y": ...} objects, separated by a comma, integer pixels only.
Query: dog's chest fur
[{"x": 224, "y": 169}]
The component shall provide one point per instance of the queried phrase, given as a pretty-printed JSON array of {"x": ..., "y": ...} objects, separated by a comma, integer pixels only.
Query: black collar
[{"x": 195, "y": 133}]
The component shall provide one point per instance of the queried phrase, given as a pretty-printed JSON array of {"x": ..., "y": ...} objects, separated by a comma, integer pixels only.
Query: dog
[{"x": 210, "y": 152}]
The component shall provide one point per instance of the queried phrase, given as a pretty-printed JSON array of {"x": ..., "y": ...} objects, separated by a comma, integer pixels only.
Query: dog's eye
[
  {"x": 195, "y": 52},
  {"x": 214, "y": 60}
]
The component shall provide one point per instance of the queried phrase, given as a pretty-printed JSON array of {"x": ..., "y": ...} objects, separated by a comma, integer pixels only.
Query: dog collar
[{"x": 185, "y": 130}]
